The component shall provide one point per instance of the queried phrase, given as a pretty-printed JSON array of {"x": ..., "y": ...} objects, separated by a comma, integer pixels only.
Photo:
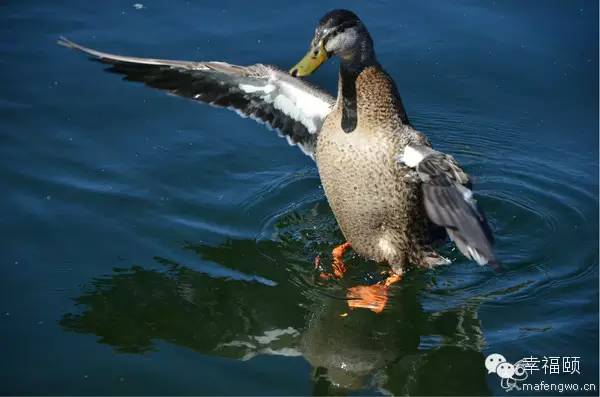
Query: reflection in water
[{"x": 239, "y": 315}]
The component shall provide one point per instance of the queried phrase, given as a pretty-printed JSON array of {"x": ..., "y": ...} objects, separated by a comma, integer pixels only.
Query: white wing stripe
[
  {"x": 301, "y": 106},
  {"x": 311, "y": 109},
  {"x": 264, "y": 93}
]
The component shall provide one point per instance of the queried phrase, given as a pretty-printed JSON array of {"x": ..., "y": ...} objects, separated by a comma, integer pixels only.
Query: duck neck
[
  {"x": 352, "y": 63},
  {"x": 361, "y": 55}
]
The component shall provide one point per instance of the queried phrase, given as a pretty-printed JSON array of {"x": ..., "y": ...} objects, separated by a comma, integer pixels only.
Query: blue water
[{"x": 152, "y": 245}]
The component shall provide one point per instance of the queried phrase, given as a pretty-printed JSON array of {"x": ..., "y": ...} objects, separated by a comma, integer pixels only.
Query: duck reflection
[{"x": 261, "y": 300}]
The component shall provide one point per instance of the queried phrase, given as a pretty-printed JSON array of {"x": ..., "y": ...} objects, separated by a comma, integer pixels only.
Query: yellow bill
[{"x": 311, "y": 61}]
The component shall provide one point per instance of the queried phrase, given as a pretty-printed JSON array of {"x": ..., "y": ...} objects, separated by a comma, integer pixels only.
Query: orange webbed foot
[
  {"x": 338, "y": 266},
  {"x": 373, "y": 297}
]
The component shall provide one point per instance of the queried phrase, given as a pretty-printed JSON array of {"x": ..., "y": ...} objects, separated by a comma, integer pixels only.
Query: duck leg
[
  {"x": 373, "y": 297},
  {"x": 339, "y": 268}
]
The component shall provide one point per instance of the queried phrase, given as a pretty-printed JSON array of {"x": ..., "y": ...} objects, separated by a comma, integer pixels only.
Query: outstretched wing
[
  {"x": 287, "y": 104},
  {"x": 449, "y": 202}
]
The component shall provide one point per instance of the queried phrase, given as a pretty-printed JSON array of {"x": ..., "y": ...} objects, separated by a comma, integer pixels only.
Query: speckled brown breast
[{"x": 376, "y": 202}]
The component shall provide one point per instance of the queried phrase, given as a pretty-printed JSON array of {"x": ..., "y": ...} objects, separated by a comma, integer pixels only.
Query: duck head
[{"x": 340, "y": 33}]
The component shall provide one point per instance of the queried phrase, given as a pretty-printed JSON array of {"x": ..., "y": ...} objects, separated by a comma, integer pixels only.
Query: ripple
[
  {"x": 276, "y": 185},
  {"x": 533, "y": 207}
]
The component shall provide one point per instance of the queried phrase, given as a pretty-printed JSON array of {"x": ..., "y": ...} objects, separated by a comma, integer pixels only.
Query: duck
[{"x": 391, "y": 193}]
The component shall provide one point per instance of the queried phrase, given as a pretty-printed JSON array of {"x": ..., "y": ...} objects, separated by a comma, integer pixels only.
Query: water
[{"x": 151, "y": 245}]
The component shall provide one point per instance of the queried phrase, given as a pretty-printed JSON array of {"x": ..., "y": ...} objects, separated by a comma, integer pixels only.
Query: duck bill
[{"x": 311, "y": 62}]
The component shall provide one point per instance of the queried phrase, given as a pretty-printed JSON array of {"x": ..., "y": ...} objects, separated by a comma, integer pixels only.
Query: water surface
[{"x": 152, "y": 245}]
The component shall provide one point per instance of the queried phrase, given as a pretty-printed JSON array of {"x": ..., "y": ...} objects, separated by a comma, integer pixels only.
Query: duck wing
[
  {"x": 449, "y": 201},
  {"x": 293, "y": 107}
]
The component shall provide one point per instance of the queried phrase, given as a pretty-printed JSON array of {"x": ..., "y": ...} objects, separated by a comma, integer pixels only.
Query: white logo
[
  {"x": 510, "y": 374},
  {"x": 492, "y": 361}
]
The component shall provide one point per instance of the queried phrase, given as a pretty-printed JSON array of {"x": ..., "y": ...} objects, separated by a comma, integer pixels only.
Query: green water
[{"x": 151, "y": 245}]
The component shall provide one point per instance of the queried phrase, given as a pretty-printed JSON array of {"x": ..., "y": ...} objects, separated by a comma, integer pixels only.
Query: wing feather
[
  {"x": 287, "y": 104},
  {"x": 449, "y": 202}
]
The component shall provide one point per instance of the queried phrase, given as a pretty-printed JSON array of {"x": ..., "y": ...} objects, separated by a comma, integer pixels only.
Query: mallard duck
[{"x": 389, "y": 190}]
